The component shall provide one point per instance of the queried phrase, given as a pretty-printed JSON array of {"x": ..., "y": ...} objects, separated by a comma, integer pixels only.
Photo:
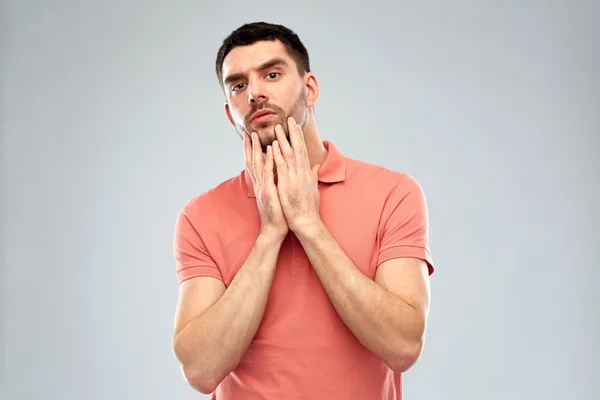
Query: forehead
[{"x": 243, "y": 59}]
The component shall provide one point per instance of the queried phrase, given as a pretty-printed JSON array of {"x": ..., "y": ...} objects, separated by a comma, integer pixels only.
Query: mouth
[{"x": 262, "y": 116}]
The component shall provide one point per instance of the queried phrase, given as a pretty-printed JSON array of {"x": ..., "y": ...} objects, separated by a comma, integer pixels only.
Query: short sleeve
[
  {"x": 192, "y": 258},
  {"x": 405, "y": 224}
]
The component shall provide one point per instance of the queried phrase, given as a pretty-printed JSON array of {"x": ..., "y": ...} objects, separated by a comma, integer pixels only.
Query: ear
[
  {"x": 228, "y": 113},
  {"x": 312, "y": 89}
]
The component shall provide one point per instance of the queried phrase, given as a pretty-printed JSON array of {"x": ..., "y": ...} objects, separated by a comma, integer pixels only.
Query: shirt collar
[{"x": 333, "y": 168}]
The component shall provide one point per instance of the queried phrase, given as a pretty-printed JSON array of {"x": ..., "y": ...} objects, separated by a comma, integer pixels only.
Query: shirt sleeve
[
  {"x": 405, "y": 224},
  {"x": 192, "y": 258}
]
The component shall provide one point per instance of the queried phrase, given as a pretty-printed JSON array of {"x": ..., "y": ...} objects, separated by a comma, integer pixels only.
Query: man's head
[{"x": 265, "y": 69}]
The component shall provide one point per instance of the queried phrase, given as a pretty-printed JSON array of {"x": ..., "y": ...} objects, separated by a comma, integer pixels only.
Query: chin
[
  {"x": 264, "y": 125},
  {"x": 266, "y": 132}
]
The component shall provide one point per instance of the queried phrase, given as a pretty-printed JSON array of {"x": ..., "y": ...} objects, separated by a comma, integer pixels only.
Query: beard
[{"x": 266, "y": 130}]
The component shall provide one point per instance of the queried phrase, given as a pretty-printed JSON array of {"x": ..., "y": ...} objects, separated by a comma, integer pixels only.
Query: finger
[
  {"x": 300, "y": 144},
  {"x": 257, "y": 162},
  {"x": 248, "y": 153},
  {"x": 284, "y": 145},
  {"x": 268, "y": 168},
  {"x": 315, "y": 172},
  {"x": 279, "y": 160},
  {"x": 296, "y": 139}
]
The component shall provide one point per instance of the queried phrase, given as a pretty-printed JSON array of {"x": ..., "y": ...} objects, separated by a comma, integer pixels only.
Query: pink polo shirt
[{"x": 302, "y": 349}]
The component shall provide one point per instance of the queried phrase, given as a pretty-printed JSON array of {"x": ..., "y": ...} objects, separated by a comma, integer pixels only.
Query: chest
[{"x": 351, "y": 216}]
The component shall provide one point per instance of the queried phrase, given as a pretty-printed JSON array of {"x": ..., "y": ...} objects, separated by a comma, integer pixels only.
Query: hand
[
  {"x": 272, "y": 219},
  {"x": 298, "y": 184}
]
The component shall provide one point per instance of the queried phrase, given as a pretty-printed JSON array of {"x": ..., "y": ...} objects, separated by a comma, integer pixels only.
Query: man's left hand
[{"x": 297, "y": 185}]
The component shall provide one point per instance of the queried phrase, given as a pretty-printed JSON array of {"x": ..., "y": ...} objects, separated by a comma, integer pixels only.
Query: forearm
[
  {"x": 213, "y": 343},
  {"x": 383, "y": 322}
]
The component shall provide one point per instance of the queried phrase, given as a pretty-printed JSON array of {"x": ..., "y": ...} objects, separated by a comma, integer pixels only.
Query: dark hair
[{"x": 251, "y": 33}]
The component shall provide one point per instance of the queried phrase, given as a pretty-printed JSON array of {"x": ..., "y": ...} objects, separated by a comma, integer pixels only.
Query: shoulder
[
  {"x": 214, "y": 198},
  {"x": 379, "y": 176}
]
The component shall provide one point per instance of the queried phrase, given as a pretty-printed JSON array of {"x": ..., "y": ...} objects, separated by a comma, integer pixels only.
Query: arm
[
  {"x": 387, "y": 315},
  {"x": 214, "y": 325}
]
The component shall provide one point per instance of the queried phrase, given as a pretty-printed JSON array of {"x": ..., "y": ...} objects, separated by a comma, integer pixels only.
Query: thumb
[{"x": 315, "y": 171}]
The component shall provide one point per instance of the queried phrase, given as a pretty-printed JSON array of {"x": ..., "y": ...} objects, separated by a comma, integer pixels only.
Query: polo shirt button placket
[{"x": 298, "y": 258}]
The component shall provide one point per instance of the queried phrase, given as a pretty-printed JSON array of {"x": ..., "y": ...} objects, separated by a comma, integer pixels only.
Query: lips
[{"x": 260, "y": 114}]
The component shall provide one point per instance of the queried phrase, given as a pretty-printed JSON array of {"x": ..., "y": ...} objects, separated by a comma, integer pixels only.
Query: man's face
[{"x": 263, "y": 89}]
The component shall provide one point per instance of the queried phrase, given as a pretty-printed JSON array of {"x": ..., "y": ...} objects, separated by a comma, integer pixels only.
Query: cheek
[{"x": 237, "y": 113}]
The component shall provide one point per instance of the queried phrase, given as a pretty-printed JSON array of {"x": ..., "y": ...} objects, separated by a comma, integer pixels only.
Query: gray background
[{"x": 111, "y": 119}]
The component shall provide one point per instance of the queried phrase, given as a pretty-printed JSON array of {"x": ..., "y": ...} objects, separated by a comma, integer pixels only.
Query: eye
[
  {"x": 237, "y": 87},
  {"x": 273, "y": 75}
]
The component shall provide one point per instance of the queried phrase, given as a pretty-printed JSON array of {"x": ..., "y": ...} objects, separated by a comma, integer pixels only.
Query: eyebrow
[{"x": 266, "y": 65}]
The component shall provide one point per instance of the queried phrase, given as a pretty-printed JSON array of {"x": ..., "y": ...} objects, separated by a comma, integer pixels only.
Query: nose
[{"x": 256, "y": 94}]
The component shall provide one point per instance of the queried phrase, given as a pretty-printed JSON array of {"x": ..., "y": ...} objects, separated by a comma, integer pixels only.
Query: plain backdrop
[{"x": 112, "y": 118}]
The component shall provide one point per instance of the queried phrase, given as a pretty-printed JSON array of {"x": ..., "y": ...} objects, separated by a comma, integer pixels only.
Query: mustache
[{"x": 262, "y": 106}]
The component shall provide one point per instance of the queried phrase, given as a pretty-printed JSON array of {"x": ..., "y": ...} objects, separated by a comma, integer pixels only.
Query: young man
[{"x": 305, "y": 276}]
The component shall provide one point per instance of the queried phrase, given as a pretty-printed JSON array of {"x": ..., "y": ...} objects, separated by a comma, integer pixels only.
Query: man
[{"x": 305, "y": 276}]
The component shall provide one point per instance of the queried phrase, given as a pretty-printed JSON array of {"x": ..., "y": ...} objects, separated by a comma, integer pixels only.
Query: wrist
[
  {"x": 270, "y": 238},
  {"x": 307, "y": 228}
]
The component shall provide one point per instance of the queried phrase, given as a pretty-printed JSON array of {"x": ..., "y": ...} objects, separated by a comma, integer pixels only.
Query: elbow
[
  {"x": 405, "y": 355},
  {"x": 196, "y": 374},
  {"x": 203, "y": 383}
]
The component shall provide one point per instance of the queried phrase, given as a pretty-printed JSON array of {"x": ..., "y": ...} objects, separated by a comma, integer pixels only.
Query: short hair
[{"x": 251, "y": 33}]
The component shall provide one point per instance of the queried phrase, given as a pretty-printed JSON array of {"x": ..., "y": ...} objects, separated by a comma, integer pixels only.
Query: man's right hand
[
  {"x": 215, "y": 324},
  {"x": 273, "y": 222}
]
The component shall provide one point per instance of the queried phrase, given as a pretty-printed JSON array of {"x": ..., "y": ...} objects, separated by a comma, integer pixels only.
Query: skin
[
  {"x": 388, "y": 314},
  {"x": 279, "y": 88}
]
